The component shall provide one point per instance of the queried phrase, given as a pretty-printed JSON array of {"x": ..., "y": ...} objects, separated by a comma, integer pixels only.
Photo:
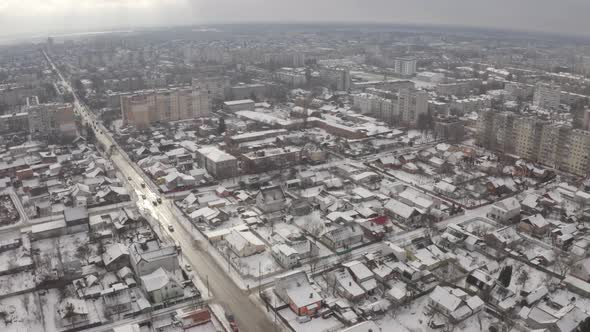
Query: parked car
[{"x": 170, "y": 227}]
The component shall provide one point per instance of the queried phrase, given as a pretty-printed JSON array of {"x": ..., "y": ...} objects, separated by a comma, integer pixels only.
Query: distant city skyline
[{"x": 45, "y": 17}]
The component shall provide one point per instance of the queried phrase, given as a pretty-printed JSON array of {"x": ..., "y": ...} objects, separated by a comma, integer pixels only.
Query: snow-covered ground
[
  {"x": 23, "y": 313},
  {"x": 315, "y": 325},
  {"x": 413, "y": 317},
  {"x": 534, "y": 278}
]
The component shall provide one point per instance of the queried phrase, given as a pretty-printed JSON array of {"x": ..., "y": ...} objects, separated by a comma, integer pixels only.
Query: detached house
[
  {"x": 295, "y": 290},
  {"x": 343, "y": 236},
  {"x": 244, "y": 243},
  {"x": 271, "y": 199},
  {"x": 401, "y": 212},
  {"x": 454, "y": 303},
  {"x": 505, "y": 211},
  {"x": 161, "y": 286},
  {"x": 149, "y": 256},
  {"x": 535, "y": 225}
]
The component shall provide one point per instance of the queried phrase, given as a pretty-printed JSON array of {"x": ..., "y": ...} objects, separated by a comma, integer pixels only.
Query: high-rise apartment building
[
  {"x": 547, "y": 96},
  {"x": 285, "y": 59},
  {"x": 217, "y": 86},
  {"x": 396, "y": 108},
  {"x": 515, "y": 91},
  {"x": 338, "y": 78},
  {"x": 405, "y": 66},
  {"x": 555, "y": 145},
  {"x": 55, "y": 119},
  {"x": 411, "y": 103},
  {"x": 291, "y": 77},
  {"x": 146, "y": 107},
  {"x": 527, "y": 133}
]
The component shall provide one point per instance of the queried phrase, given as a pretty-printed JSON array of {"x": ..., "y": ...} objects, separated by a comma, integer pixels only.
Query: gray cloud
[{"x": 50, "y": 16}]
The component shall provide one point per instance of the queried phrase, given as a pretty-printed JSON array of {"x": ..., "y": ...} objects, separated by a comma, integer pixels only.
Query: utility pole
[{"x": 208, "y": 292}]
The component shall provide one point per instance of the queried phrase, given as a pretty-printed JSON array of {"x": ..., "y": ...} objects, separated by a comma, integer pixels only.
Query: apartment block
[
  {"x": 54, "y": 119},
  {"x": 146, "y": 107},
  {"x": 218, "y": 163},
  {"x": 411, "y": 104},
  {"x": 405, "y": 66},
  {"x": 451, "y": 129},
  {"x": 291, "y": 77},
  {"x": 515, "y": 91},
  {"x": 288, "y": 59},
  {"x": 547, "y": 96},
  {"x": 577, "y": 153},
  {"x": 217, "y": 86},
  {"x": 338, "y": 78},
  {"x": 555, "y": 145},
  {"x": 495, "y": 130},
  {"x": 527, "y": 135},
  {"x": 396, "y": 108}
]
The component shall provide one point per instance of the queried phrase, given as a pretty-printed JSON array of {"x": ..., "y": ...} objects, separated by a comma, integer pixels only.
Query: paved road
[{"x": 249, "y": 316}]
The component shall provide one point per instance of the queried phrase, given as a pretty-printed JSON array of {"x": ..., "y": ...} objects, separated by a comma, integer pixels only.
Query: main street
[{"x": 248, "y": 314}]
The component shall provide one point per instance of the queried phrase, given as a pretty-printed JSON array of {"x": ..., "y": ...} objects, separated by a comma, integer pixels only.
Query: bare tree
[
  {"x": 83, "y": 252},
  {"x": 522, "y": 278},
  {"x": 563, "y": 263}
]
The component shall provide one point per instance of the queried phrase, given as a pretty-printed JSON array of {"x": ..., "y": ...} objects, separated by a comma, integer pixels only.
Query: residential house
[
  {"x": 362, "y": 275},
  {"x": 555, "y": 318},
  {"x": 73, "y": 312},
  {"x": 535, "y": 225},
  {"x": 148, "y": 256},
  {"x": 454, "y": 303},
  {"x": 115, "y": 257},
  {"x": 480, "y": 280},
  {"x": 581, "y": 270},
  {"x": 347, "y": 287},
  {"x": 342, "y": 236},
  {"x": 271, "y": 199},
  {"x": 295, "y": 289},
  {"x": 161, "y": 286},
  {"x": 244, "y": 243},
  {"x": 402, "y": 212},
  {"x": 287, "y": 256},
  {"x": 503, "y": 237},
  {"x": 505, "y": 211}
]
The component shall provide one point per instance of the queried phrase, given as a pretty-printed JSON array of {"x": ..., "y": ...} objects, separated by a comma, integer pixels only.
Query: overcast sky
[{"x": 43, "y": 17}]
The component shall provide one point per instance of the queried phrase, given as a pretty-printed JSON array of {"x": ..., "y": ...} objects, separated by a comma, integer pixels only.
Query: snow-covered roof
[
  {"x": 239, "y": 102},
  {"x": 359, "y": 270},
  {"x": 215, "y": 155},
  {"x": 399, "y": 208},
  {"x": 444, "y": 298},
  {"x": 155, "y": 280},
  {"x": 537, "y": 220},
  {"x": 508, "y": 204},
  {"x": 113, "y": 252}
]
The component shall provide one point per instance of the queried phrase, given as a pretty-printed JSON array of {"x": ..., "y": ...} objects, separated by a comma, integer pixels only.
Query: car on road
[
  {"x": 143, "y": 185},
  {"x": 143, "y": 197},
  {"x": 232, "y": 321},
  {"x": 128, "y": 178},
  {"x": 170, "y": 227},
  {"x": 188, "y": 267}
]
